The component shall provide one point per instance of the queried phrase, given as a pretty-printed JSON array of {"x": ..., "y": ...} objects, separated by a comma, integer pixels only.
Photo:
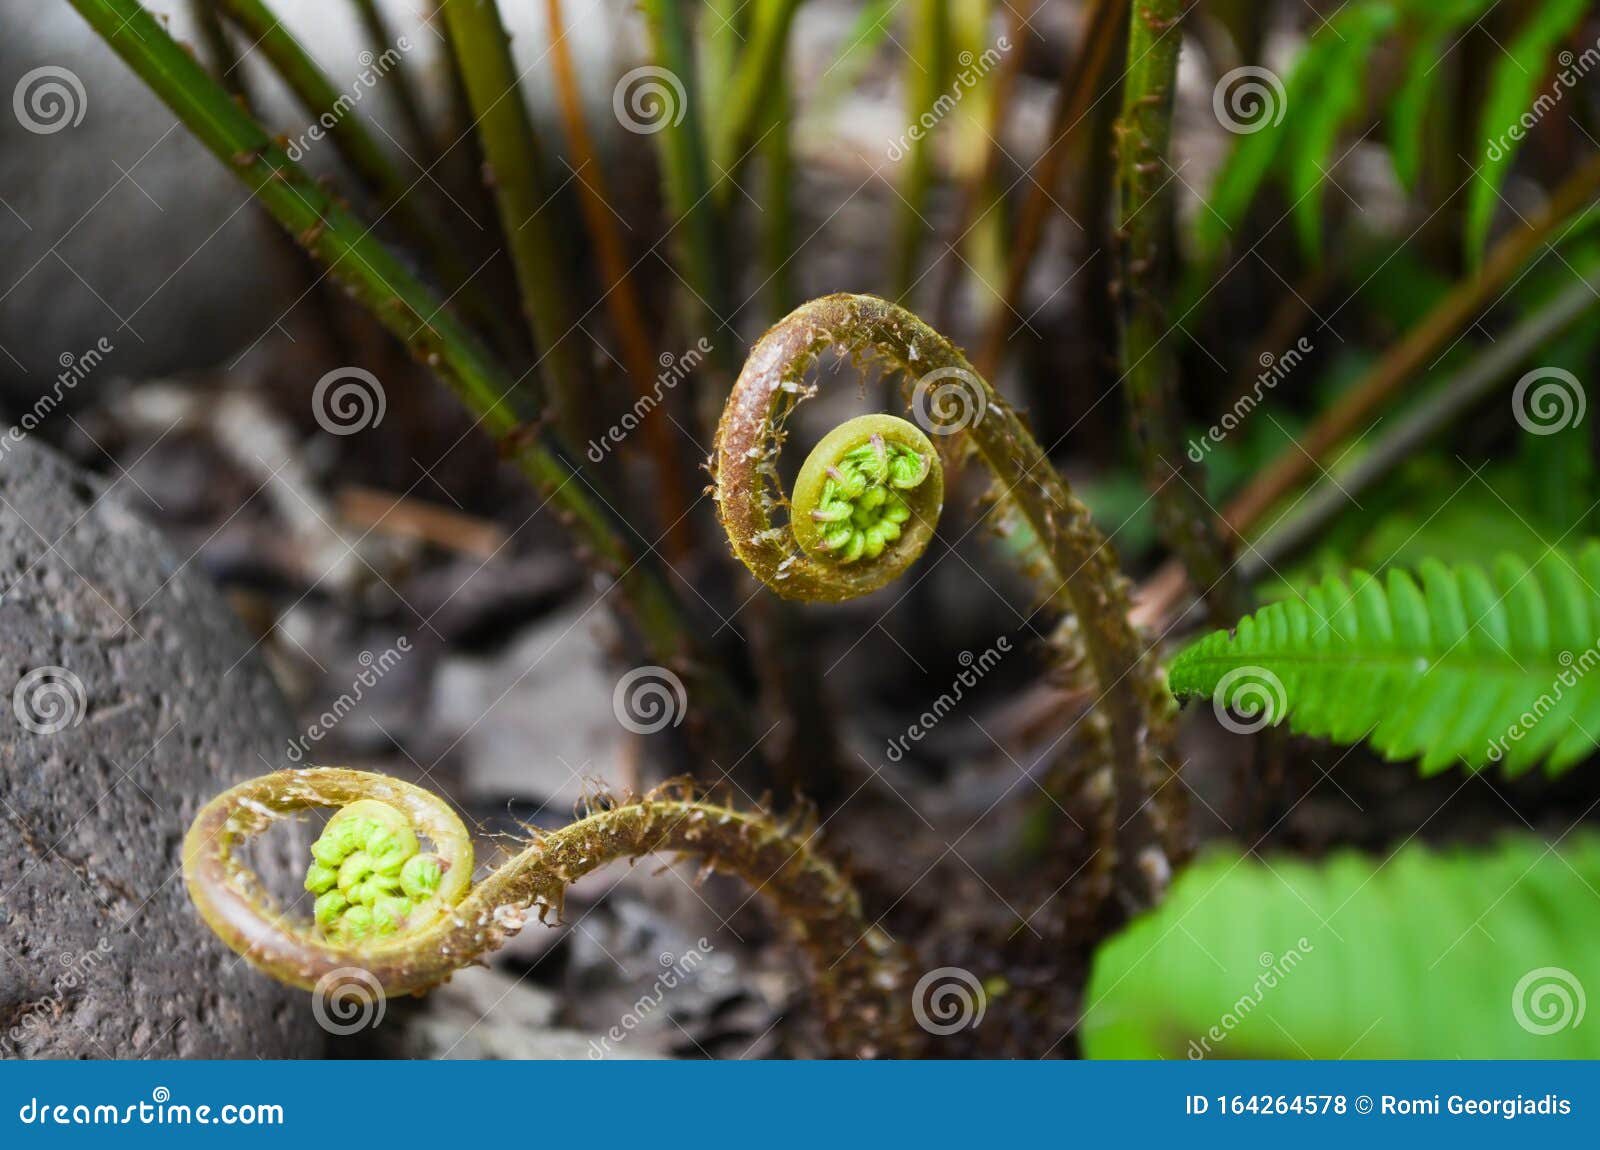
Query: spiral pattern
[
  {"x": 49, "y": 699},
  {"x": 1548, "y": 400},
  {"x": 1247, "y": 699},
  {"x": 1548, "y": 999},
  {"x": 648, "y": 99},
  {"x": 1248, "y": 99},
  {"x": 649, "y": 699},
  {"x": 348, "y": 400},
  {"x": 859, "y": 972},
  {"x": 948, "y": 999},
  {"x": 948, "y": 400},
  {"x": 348, "y": 999},
  {"x": 49, "y": 99}
]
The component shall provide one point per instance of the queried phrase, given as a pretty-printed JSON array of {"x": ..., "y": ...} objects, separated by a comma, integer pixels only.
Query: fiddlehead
[
  {"x": 412, "y": 917},
  {"x": 1079, "y": 572}
]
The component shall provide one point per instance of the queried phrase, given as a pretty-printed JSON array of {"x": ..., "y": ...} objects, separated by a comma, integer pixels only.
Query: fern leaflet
[
  {"x": 1457, "y": 664},
  {"x": 1425, "y": 955}
]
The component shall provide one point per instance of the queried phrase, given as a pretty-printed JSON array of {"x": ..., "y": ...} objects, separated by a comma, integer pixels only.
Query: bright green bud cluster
[
  {"x": 368, "y": 874},
  {"x": 861, "y": 509}
]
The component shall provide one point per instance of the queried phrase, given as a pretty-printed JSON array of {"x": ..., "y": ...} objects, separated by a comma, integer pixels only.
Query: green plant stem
[
  {"x": 1403, "y": 437},
  {"x": 224, "y": 56},
  {"x": 413, "y": 313},
  {"x": 777, "y": 205},
  {"x": 672, "y": 496},
  {"x": 926, "y": 71},
  {"x": 1082, "y": 81},
  {"x": 360, "y": 149},
  {"x": 687, "y": 184},
  {"x": 859, "y": 974},
  {"x": 406, "y": 96},
  {"x": 748, "y": 96},
  {"x": 512, "y": 159},
  {"x": 723, "y": 26},
  {"x": 980, "y": 223},
  {"x": 1384, "y": 382},
  {"x": 1079, "y": 574},
  {"x": 1149, "y": 366}
]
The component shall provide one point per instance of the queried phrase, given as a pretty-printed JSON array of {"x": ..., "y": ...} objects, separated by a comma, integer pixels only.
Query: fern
[
  {"x": 1520, "y": 70},
  {"x": 1457, "y": 664},
  {"x": 1426, "y": 955},
  {"x": 1324, "y": 95}
]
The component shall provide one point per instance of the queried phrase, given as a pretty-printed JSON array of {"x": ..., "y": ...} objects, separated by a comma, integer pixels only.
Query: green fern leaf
[
  {"x": 1519, "y": 71},
  {"x": 1456, "y": 665},
  {"x": 1313, "y": 150},
  {"x": 1425, "y": 955},
  {"x": 1408, "y": 113}
]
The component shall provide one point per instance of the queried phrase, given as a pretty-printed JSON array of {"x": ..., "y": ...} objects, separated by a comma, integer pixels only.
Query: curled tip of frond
[
  {"x": 868, "y": 498},
  {"x": 411, "y": 917}
]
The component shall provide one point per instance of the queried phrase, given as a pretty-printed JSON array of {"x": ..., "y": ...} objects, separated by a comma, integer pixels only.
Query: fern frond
[
  {"x": 1456, "y": 664},
  {"x": 1522, "y": 68},
  {"x": 1426, "y": 955},
  {"x": 1324, "y": 94}
]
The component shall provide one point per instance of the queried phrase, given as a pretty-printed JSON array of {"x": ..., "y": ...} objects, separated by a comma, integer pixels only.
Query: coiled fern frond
[
  {"x": 1428, "y": 955},
  {"x": 865, "y": 504},
  {"x": 411, "y": 917},
  {"x": 1456, "y": 664}
]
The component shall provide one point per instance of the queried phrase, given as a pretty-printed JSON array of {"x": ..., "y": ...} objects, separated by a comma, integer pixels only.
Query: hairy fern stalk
[{"x": 1451, "y": 665}]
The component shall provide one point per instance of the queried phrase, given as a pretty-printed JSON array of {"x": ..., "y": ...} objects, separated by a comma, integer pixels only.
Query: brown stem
[
  {"x": 1383, "y": 383},
  {"x": 1149, "y": 365},
  {"x": 1082, "y": 81},
  {"x": 858, "y": 972},
  {"x": 1081, "y": 573},
  {"x": 673, "y": 498}
]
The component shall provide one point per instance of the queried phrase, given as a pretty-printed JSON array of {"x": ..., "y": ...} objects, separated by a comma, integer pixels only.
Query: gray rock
[
  {"x": 128, "y": 696},
  {"x": 119, "y": 226}
]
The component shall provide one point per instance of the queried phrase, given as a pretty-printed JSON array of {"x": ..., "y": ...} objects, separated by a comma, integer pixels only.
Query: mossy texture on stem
[
  {"x": 1149, "y": 367},
  {"x": 1078, "y": 575},
  {"x": 382, "y": 283},
  {"x": 447, "y": 922}
]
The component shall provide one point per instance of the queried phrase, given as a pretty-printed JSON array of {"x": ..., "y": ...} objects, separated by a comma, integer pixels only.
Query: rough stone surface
[{"x": 101, "y": 954}]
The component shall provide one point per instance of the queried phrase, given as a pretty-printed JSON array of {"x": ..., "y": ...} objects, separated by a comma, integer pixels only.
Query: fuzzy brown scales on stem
[
  {"x": 1149, "y": 367},
  {"x": 859, "y": 974},
  {"x": 1080, "y": 573}
]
